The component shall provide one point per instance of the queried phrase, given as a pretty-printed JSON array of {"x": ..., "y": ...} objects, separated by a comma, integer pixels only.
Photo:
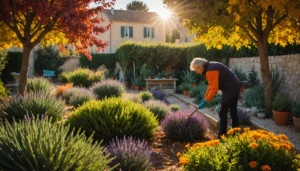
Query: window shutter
[
  {"x": 152, "y": 33},
  {"x": 145, "y": 32},
  {"x": 122, "y": 31},
  {"x": 131, "y": 32}
]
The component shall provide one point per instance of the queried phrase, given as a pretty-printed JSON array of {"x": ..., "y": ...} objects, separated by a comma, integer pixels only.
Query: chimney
[{"x": 112, "y": 11}]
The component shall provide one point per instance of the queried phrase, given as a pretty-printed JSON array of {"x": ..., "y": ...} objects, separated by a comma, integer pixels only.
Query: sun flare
[{"x": 164, "y": 13}]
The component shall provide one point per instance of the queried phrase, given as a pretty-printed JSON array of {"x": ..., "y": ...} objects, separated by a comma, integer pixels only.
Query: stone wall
[{"x": 287, "y": 65}]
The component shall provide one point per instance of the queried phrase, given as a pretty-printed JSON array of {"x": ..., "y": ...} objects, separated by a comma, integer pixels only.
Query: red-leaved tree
[{"x": 30, "y": 22}]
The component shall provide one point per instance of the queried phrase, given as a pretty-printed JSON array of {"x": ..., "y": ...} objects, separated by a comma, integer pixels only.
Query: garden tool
[{"x": 188, "y": 116}]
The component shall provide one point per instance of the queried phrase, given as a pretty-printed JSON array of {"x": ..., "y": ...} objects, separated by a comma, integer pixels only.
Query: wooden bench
[{"x": 161, "y": 82}]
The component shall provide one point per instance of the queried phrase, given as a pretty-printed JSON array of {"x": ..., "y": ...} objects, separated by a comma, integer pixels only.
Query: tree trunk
[
  {"x": 266, "y": 76},
  {"x": 24, "y": 69}
]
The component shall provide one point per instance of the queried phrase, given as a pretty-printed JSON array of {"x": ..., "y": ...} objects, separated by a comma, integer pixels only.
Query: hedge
[{"x": 109, "y": 60}]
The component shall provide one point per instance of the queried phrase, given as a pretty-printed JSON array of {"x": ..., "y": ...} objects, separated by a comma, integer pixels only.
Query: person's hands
[{"x": 202, "y": 104}]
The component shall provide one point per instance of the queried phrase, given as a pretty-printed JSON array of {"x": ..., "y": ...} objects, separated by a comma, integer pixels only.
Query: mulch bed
[{"x": 166, "y": 150}]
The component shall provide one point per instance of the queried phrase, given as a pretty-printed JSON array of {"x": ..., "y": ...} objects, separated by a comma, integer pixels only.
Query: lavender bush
[
  {"x": 160, "y": 95},
  {"x": 108, "y": 88},
  {"x": 130, "y": 154},
  {"x": 70, "y": 92},
  {"x": 133, "y": 97},
  {"x": 80, "y": 97},
  {"x": 160, "y": 109},
  {"x": 180, "y": 128}
]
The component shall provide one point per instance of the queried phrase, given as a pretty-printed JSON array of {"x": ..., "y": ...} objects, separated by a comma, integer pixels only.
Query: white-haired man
[{"x": 219, "y": 77}]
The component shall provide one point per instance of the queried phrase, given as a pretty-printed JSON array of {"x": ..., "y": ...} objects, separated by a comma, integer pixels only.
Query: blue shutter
[
  {"x": 152, "y": 29},
  {"x": 145, "y": 32},
  {"x": 122, "y": 31},
  {"x": 130, "y": 32}
]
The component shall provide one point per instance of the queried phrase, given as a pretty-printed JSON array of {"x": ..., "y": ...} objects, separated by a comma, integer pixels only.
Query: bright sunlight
[{"x": 164, "y": 13}]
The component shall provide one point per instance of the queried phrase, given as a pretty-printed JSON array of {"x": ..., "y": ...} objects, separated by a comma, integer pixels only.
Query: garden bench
[
  {"x": 48, "y": 73},
  {"x": 161, "y": 82}
]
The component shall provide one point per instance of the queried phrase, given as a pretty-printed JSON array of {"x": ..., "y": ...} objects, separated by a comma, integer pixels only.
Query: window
[
  {"x": 126, "y": 31},
  {"x": 148, "y": 32}
]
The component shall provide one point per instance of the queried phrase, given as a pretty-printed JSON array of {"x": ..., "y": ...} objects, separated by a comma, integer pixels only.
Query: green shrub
[
  {"x": 282, "y": 103},
  {"x": 145, "y": 95},
  {"x": 41, "y": 145},
  {"x": 70, "y": 92},
  {"x": 64, "y": 77},
  {"x": 3, "y": 92},
  {"x": 159, "y": 108},
  {"x": 215, "y": 101},
  {"x": 252, "y": 78},
  {"x": 296, "y": 110},
  {"x": 3, "y": 60},
  {"x": 12, "y": 64},
  {"x": 109, "y": 60},
  {"x": 174, "y": 107},
  {"x": 255, "y": 97},
  {"x": 39, "y": 85},
  {"x": 36, "y": 105},
  {"x": 239, "y": 73},
  {"x": 114, "y": 117},
  {"x": 276, "y": 80},
  {"x": 189, "y": 77},
  {"x": 108, "y": 88},
  {"x": 199, "y": 90},
  {"x": 251, "y": 150},
  {"x": 80, "y": 97},
  {"x": 82, "y": 77}
]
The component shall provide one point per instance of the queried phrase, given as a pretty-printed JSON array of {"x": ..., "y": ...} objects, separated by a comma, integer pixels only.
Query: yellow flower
[
  {"x": 256, "y": 136},
  {"x": 178, "y": 154},
  {"x": 282, "y": 136},
  {"x": 214, "y": 142},
  {"x": 253, "y": 145},
  {"x": 223, "y": 137},
  {"x": 168, "y": 163},
  {"x": 246, "y": 129},
  {"x": 266, "y": 168},
  {"x": 183, "y": 160},
  {"x": 285, "y": 146},
  {"x": 187, "y": 146},
  {"x": 275, "y": 145},
  {"x": 198, "y": 145},
  {"x": 253, "y": 164},
  {"x": 230, "y": 132}
]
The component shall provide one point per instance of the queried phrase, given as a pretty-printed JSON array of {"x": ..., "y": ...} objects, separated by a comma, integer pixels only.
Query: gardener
[{"x": 219, "y": 77}]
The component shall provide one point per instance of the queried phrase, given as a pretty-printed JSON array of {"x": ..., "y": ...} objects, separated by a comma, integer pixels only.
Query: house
[{"x": 130, "y": 25}]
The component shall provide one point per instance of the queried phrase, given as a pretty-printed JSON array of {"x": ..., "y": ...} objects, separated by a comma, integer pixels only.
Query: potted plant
[
  {"x": 296, "y": 115},
  {"x": 282, "y": 109},
  {"x": 169, "y": 75},
  {"x": 137, "y": 82},
  {"x": 150, "y": 73},
  {"x": 185, "y": 88}
]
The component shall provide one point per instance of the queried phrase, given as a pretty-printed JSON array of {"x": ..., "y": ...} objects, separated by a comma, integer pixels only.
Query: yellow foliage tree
[{"x": 243, "y": 22}]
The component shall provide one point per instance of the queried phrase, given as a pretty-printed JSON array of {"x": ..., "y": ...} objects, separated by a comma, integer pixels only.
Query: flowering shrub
[
  {"x": 78, "y": 98},
  {"x": 160, "y": 95},
  {"x": 70, "y": 92},
  {"x": 39, "y": 85},
  {"x": 61, "y": 89},
  {"x": 160, "y": 109},
  {"x": 133, "y": 97},
  {"x": 174, "y": 107},
  {"x": 145, "y": 95},
  {"x": 113, "y": 117},
  {"x": 108, "y": 88},
  {"x": 178, "y": 127},
  {"x": 34, "y": 144},
  {"x": 250, "y": 150},
  {"x": 130, "y": 154}
]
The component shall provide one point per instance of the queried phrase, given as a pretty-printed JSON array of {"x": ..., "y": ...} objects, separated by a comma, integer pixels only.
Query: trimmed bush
[
  {"x": 160, "y": 95},
  {"x": 130, "y": 154},
  {"x": 81, "y": 97},
  {"x": 179, "y": 127},
  {"x": 109, "y": 60},
  {"x": 251, "y": 150},
  {"x": 174, "y": 107},
  {"x": 41, "y": 145},
  {"x": 114, "y": 117},
  {"x": 145, "y": 95},
  {"x": 39, "y": 85},
  {"x": 160, "y": 109},
  {"x": 70, "y": 92},
  {"x": 3, "y": 92},
  {"x": 36, "y": 105},
  {"x": 108, "y": 88},
  {"x": 82, "y": 77}
]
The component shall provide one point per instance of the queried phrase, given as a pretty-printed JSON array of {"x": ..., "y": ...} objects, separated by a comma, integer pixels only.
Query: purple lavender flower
[
  {"x": 131, "y": 154},
  {"x": 160, "y": 95},
  {"x": 178, "y": 127}
]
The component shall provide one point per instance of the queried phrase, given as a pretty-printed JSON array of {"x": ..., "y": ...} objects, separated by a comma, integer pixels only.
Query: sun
[{"x": 164, "y": 13}]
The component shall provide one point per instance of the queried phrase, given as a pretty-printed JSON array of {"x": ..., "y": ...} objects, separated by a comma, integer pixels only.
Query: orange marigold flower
[
  {"x": 253, "y": 164},
  {"x": 230, "y": 132},
  {"x": 214, "y": 142},
  {"x": 223, "y": 137},
  {"x": 178, "y": 154},
  {"x": 266, "y": 168},
  {"x": 275, "y": 145},
  {"x": 275, "y": 139},
  {"x": 246, "y": 129},
  {"x": 285, "y": 146},
  {"x": 255, "y": 135},
  {"x": 183, "y": 160},
  {"x": 282, "y": 136},
  {"x": 253, "y": 145},
  {"x": 187, "y": 146},
  {"x": 237, "y": 129}
]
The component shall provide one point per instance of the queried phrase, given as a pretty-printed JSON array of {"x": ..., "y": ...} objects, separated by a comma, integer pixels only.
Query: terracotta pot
[
  {"x": 149, "y": 77},
  {"x": 194, "y": 85},
  {"x": 281, "y": 118},
  {"x": 170, "y": 77},
  {"x": 296, "y": 123},
  {"x": 185, "y": 92},
  {"x": 136, "y": 88}
]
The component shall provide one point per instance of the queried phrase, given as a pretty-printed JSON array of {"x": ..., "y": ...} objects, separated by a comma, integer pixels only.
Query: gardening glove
[
  {"x": 202, "y": 104},
  {"x": 202, "y": 100}
]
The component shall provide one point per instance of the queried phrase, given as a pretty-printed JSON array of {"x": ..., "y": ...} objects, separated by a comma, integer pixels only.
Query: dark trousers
[{"x": 230, "y": 104}]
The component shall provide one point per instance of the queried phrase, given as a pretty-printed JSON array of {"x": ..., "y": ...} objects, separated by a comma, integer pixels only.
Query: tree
[
  {"x": 243, "y": 22},
  {"x": 27, "y": 23},
  {"x": 137, "y": 6}
]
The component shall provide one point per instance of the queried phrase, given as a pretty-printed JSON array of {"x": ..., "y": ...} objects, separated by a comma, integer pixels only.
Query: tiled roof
[{"x": 131, "y": 16}]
